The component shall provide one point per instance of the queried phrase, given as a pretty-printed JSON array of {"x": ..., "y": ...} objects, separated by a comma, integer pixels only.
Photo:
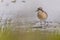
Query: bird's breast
[{"x": 42, "y": 15}]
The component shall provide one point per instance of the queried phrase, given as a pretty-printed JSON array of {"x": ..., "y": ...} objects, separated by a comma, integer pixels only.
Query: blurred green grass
[{"x": 8, "y": 34}]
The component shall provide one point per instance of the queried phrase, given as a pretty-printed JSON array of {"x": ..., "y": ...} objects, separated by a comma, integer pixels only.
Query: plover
[{"x": 42, "y": 15}]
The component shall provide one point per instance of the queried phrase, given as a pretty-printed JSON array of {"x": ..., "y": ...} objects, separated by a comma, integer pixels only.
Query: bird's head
[{"x": 39, "y": 9}]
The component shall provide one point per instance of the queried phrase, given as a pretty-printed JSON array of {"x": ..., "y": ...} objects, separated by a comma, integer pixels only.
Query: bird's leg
[
  {"x": 40, "y": 24},
  {"x": 45, "y": 24}
]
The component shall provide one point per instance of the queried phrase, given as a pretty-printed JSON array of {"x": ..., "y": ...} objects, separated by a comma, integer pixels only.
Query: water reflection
[{"x": 26, "y": 24}]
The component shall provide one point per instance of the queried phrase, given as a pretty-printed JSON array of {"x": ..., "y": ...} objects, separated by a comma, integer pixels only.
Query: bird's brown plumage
[{"x": 42, "y": 15}]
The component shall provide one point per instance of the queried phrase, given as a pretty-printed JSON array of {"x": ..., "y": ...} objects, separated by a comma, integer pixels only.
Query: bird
[{"x": 42, "y": 15}]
